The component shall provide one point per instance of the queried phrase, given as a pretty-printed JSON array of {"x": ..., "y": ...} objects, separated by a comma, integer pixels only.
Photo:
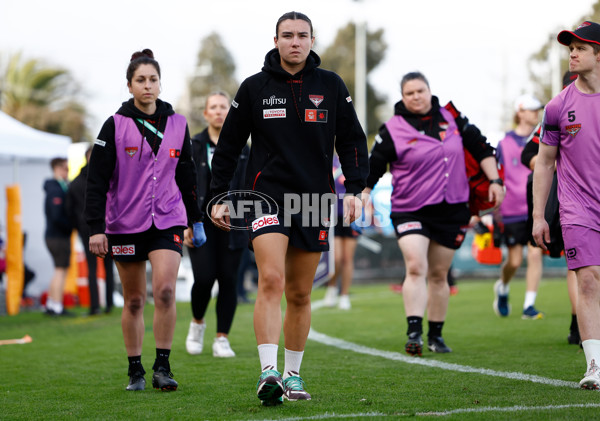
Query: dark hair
[
  {"x": 293, "y": 16},
  {"x": 412, "y": 76},
  {"x": 56, "y": 162},
  {"x": 145, "y": 56}
]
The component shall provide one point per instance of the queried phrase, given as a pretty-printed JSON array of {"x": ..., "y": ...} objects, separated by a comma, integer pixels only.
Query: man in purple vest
[
  {"x": 514, "y": 211},
  {"x": 571, "y": 131}
]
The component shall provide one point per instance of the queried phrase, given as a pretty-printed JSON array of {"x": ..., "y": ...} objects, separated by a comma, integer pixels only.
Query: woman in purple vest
[
  {"x": 140, "y": 197},
  {"x": 424, "y": 146}
]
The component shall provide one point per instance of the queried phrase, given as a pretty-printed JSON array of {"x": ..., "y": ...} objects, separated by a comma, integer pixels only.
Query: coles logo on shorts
[
  {"x": 409, "y": 226},
  {"x": 128, "y": 250},
  {"x": 264, "y": 221}
]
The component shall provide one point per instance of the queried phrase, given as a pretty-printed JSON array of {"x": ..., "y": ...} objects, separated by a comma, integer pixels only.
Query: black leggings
[{"x": 215, "y": 261}]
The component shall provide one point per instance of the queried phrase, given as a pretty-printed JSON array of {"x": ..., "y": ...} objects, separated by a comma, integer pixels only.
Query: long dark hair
[
  {"x": 293, "y": 16},
  {"x": 146, "y": 56}
]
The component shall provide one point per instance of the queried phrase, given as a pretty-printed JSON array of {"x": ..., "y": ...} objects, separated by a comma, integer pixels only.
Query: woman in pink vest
[
  {"x": 140, "y": 197},
  {"x": 424, "y": 143}
]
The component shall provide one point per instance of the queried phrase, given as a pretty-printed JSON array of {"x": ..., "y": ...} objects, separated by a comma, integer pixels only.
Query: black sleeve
[
  {"x": 532, "y": 147},
  {"x": 233, "y": 137},
  {"x": 350, "y": 143},
  {"x": 475, "y": 142},
  {"x": 101, "y": 167},
  {"x": 382, "y": 153},
  {"x": 56, "y": 210},
  {"x": 185, "y": 177}
]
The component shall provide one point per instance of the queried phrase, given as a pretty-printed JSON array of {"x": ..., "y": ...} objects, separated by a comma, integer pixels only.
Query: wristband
[{"x": 497, "y": 181}]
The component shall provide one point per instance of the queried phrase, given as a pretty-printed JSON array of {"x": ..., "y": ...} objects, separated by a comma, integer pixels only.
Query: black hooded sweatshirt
[
  {"x": 103, "y": 160},
  {"x": 294, "y": 121}
]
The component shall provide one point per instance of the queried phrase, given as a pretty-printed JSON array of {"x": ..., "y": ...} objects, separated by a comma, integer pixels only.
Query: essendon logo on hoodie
[
  {"x": 128, "y": 250},
  {"x": 131, "y": 151},
  {"x": 264, "y": 221}
]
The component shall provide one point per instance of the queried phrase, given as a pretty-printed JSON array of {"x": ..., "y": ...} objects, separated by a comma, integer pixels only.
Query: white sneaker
[
  {"x": 344, "y": 303},
  {"x": 195, "y": 338},
  {"x": 330, "y": 299},
  {"x": 592, "y": 377},
  {"x": 221, "y": 348}
]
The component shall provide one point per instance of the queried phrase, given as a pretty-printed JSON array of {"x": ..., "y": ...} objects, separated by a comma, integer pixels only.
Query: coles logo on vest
[
  {"x": 264, "y": 221},
  {"x": 128, "y": 250}
]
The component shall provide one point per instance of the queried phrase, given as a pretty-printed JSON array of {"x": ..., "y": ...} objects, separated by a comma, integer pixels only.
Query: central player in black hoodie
[{"x": 296, "y": 113}]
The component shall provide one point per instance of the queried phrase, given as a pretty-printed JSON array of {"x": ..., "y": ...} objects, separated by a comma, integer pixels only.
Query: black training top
[{"x": 295, "y": 122}]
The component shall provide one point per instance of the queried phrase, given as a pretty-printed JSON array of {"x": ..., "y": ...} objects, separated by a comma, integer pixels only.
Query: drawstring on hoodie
[
  {"x": 156, "y": 133},
  {"x": 291, "y": 82}
]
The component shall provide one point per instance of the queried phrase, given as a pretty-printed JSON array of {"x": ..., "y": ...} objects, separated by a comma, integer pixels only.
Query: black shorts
[
  {"x": 136, "y": 247},
  {"x": 345, "y": 231},
  {"x": 444, "y": 223},
  {"x": 60, "y": 250},
  {"x": 516, "y": 233},
  {"x": 307, "y": 234}
]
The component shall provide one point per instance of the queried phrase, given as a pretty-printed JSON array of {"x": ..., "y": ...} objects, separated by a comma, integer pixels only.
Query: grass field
[{"x": 354, "y": 365}]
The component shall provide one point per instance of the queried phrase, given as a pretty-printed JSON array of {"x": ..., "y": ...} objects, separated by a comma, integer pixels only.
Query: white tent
[{"x": 25, "y": 155}]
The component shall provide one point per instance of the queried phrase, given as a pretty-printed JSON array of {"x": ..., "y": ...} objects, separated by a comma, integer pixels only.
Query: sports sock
[
  {"x": 55, "y": 306},
  {"x": 529, "y": 299},
  {"x": 135, "y": 364},
  {"x": 415, "y": 324},
  {"x": 162, "y": 359},
  {"x": 591, "y": 349},
  {"x": 574, "y": 326},
  {"x": 293, "y": 360},
  {"x": 267, "y": 353},
  {"x": 503, "y": 289},
  {"x": 435, "y": 329}
]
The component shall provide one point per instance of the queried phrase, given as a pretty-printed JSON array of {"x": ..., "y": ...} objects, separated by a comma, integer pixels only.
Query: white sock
[
  {"x": 55, "y": 306},
  {"x": 293, "y": 360},
  {"x": 504, "y": 288},
  {"x": 529, "y": 299},
  {"x": 267, "y": 353},
  {"x": 591, "y": 349}
]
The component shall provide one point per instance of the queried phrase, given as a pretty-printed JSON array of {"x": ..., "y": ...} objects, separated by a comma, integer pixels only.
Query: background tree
[
  {"x": 340, "y": 58},
  {"x": 553, "y": 56},
  {"x": 42, "y": 97},
  {"x": 214, "y": 72}
]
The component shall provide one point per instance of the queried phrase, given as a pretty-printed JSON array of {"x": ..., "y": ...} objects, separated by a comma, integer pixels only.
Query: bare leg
[
  {"x": 133, "y": 279},
  {"x": 165, "y": 264}
]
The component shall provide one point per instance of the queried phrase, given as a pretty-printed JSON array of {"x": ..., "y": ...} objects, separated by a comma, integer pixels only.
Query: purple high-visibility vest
[
  {"x": 515, "y": 179},
  {"x": 427, "y": 171},
  {"x": 142, "y": 189}
]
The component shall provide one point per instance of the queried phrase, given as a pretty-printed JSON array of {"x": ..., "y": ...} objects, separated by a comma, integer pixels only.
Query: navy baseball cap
[{"x": 587, "y": 32}]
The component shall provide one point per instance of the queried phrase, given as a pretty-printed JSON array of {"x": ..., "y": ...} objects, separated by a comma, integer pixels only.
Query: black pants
[
  {"x": 215, "y": 261},
  {"x": 92, "y": 279}
]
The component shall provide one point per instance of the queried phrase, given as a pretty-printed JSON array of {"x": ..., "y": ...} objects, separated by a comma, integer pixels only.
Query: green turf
[{"x": 77, "y": 368}]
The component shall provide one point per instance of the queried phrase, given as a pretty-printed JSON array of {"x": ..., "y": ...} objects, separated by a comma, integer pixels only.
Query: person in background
[
  {"x": 218, "y": 259},
  {"x": 57, "y": 234},
  {"x": 296, "y": 114},
  {"x": 140, "y": 196},
  {"x": 345, "y": 242},
  {"x": 514, "y": 213},
  {"x": 424, "y": 146},
  {"x": 528, "y": 158},
  {"x": 75, "y": 207},
  {"x": 570, "y": 142}
]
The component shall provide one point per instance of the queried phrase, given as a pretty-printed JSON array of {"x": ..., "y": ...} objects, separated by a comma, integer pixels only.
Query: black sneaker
[
  {"x": 414, "y": 345},
  {"x": 163, "y": 379},
  {"x": 437, "y": 344},
  {"x": 137, "y": 380}
]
